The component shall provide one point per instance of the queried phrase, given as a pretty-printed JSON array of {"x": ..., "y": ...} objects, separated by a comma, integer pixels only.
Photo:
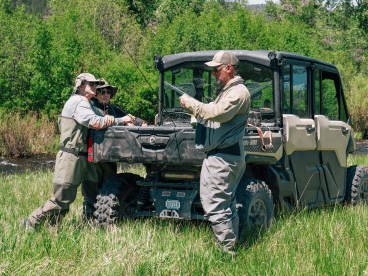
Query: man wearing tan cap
[
  {"x": 219, "y": 133},
  {"x": 71, "y": 168}
]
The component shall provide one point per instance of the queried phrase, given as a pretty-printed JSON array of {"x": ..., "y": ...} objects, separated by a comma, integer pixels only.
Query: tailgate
[{"x": 147, "y": 145}]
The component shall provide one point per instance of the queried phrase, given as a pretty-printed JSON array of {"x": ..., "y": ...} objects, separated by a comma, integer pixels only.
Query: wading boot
[{"x": 26, "y": 225}]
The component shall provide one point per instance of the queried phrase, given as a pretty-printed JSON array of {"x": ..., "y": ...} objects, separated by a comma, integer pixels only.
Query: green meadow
[{"x": 332, "y": 240}]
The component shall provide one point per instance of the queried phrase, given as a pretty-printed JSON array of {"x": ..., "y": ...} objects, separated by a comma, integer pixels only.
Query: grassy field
[{"x": 327, "y": 241}]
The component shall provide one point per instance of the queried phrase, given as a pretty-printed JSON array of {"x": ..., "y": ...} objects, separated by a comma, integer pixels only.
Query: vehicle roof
[{"x": 259, "y": 56}]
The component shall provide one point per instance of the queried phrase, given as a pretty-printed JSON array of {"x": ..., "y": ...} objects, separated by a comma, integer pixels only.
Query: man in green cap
[{"x": 71, "y": 168}]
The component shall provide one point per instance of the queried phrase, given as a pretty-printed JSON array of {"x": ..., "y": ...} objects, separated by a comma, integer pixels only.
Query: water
[
  {"x": 47, "y": 162},
  {"x": 20, "y": 165}
]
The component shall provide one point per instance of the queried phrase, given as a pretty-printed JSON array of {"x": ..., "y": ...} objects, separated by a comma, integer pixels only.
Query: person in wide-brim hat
[
  {"x": 104, "y": 93},
  {"x": 109, "y": 88}
]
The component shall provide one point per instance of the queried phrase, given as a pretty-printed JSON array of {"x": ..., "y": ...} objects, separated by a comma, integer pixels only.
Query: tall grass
[
  {"x": 26, "y": 135},
  {"x": 357, "y": 159},
  {"x": 332, "y": 240}
]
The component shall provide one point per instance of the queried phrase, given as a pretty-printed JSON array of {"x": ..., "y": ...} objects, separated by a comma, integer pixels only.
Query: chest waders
[
  {"x": 71, "y": 170},
  {"x": 221, "y": 172},
  {"x": 73, "y": 137}
]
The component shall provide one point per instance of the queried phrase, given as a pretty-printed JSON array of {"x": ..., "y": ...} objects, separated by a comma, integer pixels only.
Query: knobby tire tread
[
  {"x": 355, "y": 176},
  {"x": 246, "y": 191},
  {"x": 112, "y": 196}
]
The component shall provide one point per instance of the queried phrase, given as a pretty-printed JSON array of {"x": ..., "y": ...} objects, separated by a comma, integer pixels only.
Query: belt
[
  {"x": 73, "y": 151},
  {"x": 232, "y": 150}
]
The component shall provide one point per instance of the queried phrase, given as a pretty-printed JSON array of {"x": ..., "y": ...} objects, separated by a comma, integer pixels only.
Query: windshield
[{"x": 196, "y": 80}]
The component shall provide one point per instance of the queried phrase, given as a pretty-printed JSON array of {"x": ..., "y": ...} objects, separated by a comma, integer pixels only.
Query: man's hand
[
  {"x": 143, "y": 124},
  {"x": 182, "y": 101},
  {"x": 128, "y": 119},
  {"x": 109, "y": 119}
]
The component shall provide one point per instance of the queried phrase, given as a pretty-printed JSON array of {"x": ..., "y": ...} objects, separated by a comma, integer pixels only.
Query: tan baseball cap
[{"x": 223, "y": 57}]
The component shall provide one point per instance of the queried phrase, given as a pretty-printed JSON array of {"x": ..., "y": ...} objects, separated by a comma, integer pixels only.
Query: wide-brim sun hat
[{"x": 114, "y": 89}]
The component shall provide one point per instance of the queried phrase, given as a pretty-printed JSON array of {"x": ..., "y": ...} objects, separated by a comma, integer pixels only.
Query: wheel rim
[
  {"x": 258, "y": 213},
  {"x": 364, "y": 192}
]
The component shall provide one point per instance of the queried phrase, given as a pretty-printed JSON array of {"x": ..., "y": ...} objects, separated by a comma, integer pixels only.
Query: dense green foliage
[
  {"x": 43, "y": 47},
  {"x": 331, "y": 240}
]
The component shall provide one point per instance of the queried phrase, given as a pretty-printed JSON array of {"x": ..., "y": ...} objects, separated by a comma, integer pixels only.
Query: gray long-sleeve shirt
[
  {"x": 79, "y": 108},
  {"x": 222, "y": 122}
]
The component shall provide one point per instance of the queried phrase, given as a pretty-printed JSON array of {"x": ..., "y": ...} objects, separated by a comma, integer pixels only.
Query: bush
[
  {"x": 358, "y": 103},
  {"x": 25, "y": 136}
]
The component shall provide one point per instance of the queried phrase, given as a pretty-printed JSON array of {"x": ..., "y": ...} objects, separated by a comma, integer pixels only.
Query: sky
[{"x": 256, "y": 2}]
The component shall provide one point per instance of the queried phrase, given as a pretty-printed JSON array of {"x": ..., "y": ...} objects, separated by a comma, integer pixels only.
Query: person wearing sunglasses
[
  {"x": 102, "y": 105},
  {"x": 219, "y": 132},
  {"x": 71, "y": 168}
]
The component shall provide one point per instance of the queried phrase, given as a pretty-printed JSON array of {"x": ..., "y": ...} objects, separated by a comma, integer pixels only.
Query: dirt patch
[{"x": 361, "y": 147}]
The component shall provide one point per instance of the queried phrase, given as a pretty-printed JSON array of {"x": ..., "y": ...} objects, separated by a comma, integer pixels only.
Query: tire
[
  {"x": 117, "y": 194},
  {"x": 357, "y": 185},
  {"x": 254, "y": 204}
]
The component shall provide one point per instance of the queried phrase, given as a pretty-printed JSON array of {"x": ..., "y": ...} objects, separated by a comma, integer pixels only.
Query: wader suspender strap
[{"x": 73, "y": 151}]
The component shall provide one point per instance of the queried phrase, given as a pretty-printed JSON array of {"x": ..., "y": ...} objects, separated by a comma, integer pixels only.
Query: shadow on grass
[
  {"x": 181, "y": 226},
  {"x": 250, "y": 236},
  {"x": 253, "y": 235}
]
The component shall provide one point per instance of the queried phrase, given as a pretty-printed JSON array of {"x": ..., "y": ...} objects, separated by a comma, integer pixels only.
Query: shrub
[
  {"x": 26, "y": 135},
  {"x": 358, "y": 103}
]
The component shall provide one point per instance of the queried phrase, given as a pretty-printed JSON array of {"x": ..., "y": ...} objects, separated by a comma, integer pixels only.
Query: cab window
[
  {"x": 295, "y": 98},
  {"x": 259, "y": 81},
  {"x": 327, "y": 93}
]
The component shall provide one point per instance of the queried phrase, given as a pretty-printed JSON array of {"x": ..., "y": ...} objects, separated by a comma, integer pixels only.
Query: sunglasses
[
  {"x": 91, "y": 83},
  {"x": 106, "y": 91},
  {"x": 218, "y": 69}
]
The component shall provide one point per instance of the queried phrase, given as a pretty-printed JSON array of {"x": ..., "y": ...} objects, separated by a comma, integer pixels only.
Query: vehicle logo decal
[{"x": 152, "y": 140}]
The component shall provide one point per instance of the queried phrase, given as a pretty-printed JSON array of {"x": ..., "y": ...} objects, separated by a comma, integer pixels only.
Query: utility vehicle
[{"x": 296, "y": 144}]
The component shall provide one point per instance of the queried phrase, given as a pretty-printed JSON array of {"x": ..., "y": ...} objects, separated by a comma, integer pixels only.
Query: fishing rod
[{"x": 181, "y": 92}]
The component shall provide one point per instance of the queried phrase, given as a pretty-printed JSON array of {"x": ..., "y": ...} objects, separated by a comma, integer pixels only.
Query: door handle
[{"x": 310, "y": 129}]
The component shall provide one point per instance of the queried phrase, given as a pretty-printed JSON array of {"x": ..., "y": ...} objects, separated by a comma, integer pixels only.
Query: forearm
[
  {"x": 97, "y": 123},
  {"x": 85, "y": 116},
  {"x": 118, "y": 122},
  {"x": 220, "y": 112}
]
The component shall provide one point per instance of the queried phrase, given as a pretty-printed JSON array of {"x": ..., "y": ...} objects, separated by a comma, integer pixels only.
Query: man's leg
[
  {"x": 220, "y": 177},
  {"x": 69, "y": 170}
]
